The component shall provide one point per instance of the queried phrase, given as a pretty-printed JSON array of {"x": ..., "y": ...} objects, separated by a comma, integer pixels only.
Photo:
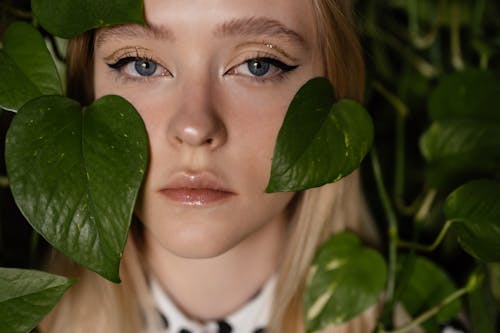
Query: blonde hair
[{"x": 318, "y": 212}]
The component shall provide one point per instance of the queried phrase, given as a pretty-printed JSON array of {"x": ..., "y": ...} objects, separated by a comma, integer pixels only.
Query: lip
[{"x": 200, "y": 189}]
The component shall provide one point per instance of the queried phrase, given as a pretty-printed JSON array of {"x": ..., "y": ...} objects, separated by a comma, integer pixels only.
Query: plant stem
[
  {"x": 425, "y": 206},
  {"x": 422, "y": 41},
  {"x": 425, "y": 68},
  {"x": 4, "y": 181},
  {"x": 16, "y": 12},
  {"x": 477, "y": 17},
  {"x": 35, "y": 240},
  {"x": 456, "y": 52},
  {"x": 429, "y": 313},
  {"x": 392, "y": 226},
  {"x": 402, "y": 112},
  {"x": 431, "y": 247},
  {"x": 484, "y": 61}
]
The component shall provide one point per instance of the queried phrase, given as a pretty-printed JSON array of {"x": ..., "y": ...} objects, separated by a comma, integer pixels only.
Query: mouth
[{"x": 196, "y": 190}]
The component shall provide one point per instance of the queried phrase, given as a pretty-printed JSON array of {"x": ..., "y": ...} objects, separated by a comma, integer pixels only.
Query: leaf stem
[
  {"x": 431, "y": 247},
  {"x": 16, "y": 12},
  {"x": 35, "y": 240},
  {"x": 4, "y": 181},
  {"x": 402, "y": 112},
  {"x": 425, "y": 205},
  {"x": 429, "y": 313},
  {"x": 425, "y": 68},
  {"x": 392, "y": 225},
  {"x": 456, "y": 53},
  {"x": 422, "y": 41},
  {"x": 477, "y": 17}
]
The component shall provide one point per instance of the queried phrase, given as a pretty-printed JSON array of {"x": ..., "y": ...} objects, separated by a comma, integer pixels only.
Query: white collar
[{"x": 251, "y": 318}]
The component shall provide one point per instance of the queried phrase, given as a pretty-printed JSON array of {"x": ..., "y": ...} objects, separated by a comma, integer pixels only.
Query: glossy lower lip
[{"x": 196, "y": 196}]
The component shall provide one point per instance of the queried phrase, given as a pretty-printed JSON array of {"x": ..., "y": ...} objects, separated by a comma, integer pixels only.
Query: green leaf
[
  {"x": 27, "y": 68},
  {"x": 345, "y": 280},
  {"x": 26, "y": 296},
  {"x": 424, "y": 286},
  {"x": 23, "y": 43},
  {"x": 476, "y": 206},
  {"x": 482, "y": 312},
  {"x": 460, "y": 150},
  {"x": 69, "y": 18},
  {"x": 494, "y": 274},
  {"x": 320, "y": 141},
  {"x": 15, "y": 87},
  {"x": 469, "y": 94},
  {"x": 75, "y": 175}
]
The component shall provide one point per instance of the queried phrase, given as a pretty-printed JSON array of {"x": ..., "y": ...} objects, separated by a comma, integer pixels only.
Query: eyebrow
[
  {"x": 133, "y": 31},
  {"x": 258, "y": 26},
  {"x": 251, "y": 26}
]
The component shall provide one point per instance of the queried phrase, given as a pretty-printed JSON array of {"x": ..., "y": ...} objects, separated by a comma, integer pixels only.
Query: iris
[{"x": 258, "y": 67}]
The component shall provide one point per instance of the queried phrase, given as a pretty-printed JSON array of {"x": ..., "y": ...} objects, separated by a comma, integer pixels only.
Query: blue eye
[
  {"x": 139, "y": 67},
  {"x": 258, "y": 67},
  {"x": 145, "y": 67},
  {"x": 262, "y": 68}
]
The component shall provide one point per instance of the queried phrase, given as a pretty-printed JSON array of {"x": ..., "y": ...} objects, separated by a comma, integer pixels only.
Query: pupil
[
  {"x": 145, "y": 67},
  {"x": 258, "y": 67}
]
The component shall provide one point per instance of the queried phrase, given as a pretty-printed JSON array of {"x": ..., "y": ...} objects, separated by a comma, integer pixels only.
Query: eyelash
[
  {"x": 283, "y": 68},
  {"x": 127, "y": 59}
]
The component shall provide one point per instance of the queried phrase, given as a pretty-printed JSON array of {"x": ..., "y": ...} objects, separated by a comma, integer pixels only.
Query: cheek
[{"x": 255, "y": 116}]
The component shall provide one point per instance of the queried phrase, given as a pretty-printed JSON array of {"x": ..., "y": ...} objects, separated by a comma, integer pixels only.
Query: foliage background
[{"x": 409, "y": 45}]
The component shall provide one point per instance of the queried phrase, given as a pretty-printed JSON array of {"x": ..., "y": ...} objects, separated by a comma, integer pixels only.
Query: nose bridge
[{"x": 197, "y": 121}]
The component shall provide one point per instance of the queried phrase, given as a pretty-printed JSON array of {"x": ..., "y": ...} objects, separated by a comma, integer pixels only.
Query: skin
[{"x": 211, "y": 124}]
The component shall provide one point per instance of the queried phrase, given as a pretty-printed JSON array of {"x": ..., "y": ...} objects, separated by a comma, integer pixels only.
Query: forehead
[
  {"x": 284, "y": 10},
  {"x": 222, "y": 16},
  {"x": 290, "y": 20}
]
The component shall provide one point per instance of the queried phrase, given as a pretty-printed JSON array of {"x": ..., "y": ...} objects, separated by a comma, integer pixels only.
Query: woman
[{"x": 212, "y": 81}]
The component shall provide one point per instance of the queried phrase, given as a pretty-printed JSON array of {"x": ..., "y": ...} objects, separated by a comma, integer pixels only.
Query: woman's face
[{"x": 212, "y": 80}]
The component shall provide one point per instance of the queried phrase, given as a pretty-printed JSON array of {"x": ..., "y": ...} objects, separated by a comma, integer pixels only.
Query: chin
[
  {"x": 199, "y": 249},
  {"x": 198, "y": 242}
]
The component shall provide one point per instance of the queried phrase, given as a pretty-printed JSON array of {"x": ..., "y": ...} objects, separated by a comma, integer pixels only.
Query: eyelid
[
  {"x": 274, "y": 60},
  {"x": 259, "y": 54},
  {"x": 128, "y": 51},
  {"x": 126, "y": 55},
  {"x": 268, "y": 46}
]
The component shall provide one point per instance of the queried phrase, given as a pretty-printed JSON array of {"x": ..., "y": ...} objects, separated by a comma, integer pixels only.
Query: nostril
[{"x": 209, "y": 141}]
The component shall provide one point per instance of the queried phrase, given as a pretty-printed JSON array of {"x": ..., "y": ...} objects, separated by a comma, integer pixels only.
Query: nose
[{"x": 197, "y": 122}]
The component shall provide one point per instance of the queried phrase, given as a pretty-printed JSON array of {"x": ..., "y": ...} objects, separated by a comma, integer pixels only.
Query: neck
[{"x": 213, "y": 288}]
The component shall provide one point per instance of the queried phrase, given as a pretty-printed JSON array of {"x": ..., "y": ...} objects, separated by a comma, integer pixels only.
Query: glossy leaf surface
[
  {"x": 482, "y": 309},
  {"x": 459, "y": 150},
  {"x": 75, "y": 175},
  {"x": 26, "y": 296},
  {"x": 424, "y": 286},
  {"x": 69, "y": 18},
  {"x": 468, "y": 94},
  {"x": 476, "y": 206},
  {"x": 27, "y": 68},
  {"x": 24, "y": 44},
  {"x": 345, "y": 279},
  {"x": 320, "y": 140}
]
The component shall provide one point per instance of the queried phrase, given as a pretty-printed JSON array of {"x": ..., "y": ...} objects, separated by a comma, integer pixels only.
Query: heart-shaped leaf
[
  {"x": 69, "y": 18},
  {"x": 459, "y": 150},
  {"x": 424, "y": 286},
  {"x": 476, "y": 206},
  {"x": 468, "y": 94},
  {"x": 26, "y": 296},
  {"x": 345, "y": 279},
  {"x": 482, "y": 309},
  {"x": 27, "y": 68},
  {"x": 75, "y": 175},
  {"x": 320, "y": 141}
]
